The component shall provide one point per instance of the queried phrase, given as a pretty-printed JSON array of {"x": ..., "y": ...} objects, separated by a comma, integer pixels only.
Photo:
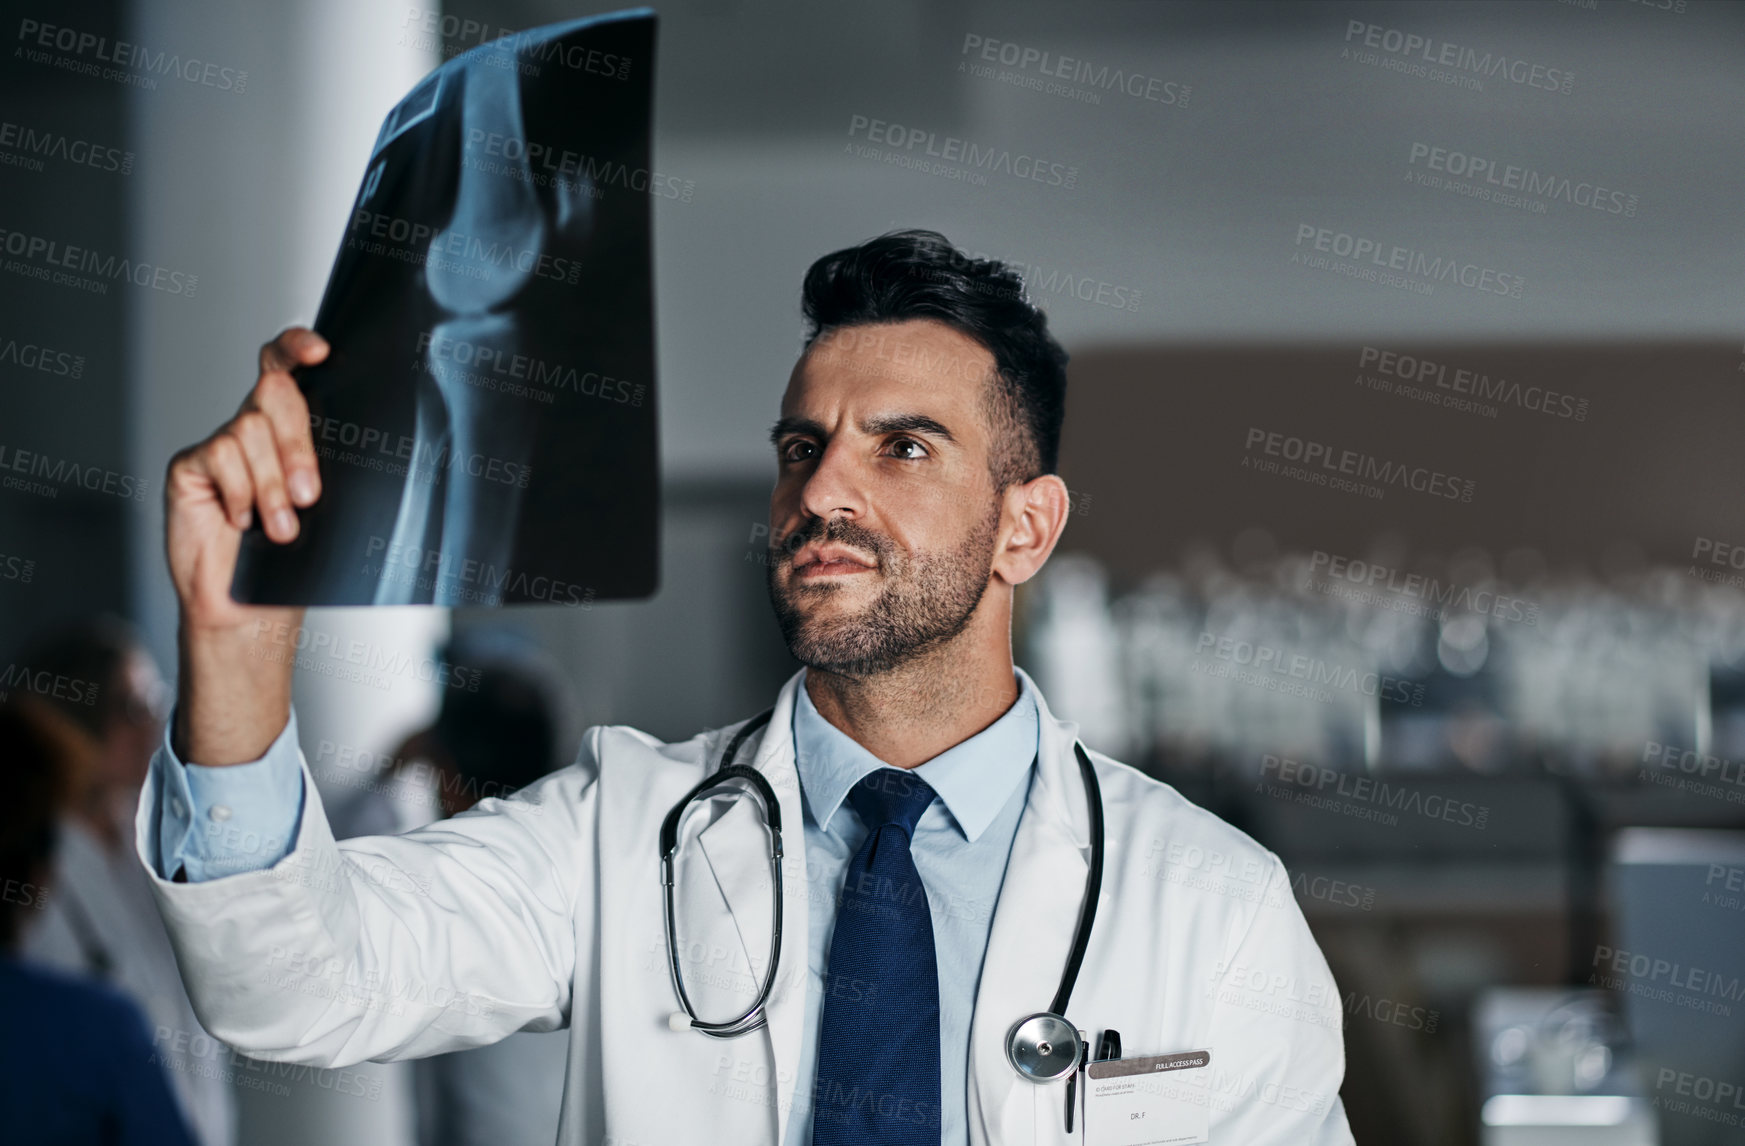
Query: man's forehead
[
  {"x": 911, "y": 350},
  {"x": 917, "y": 357}
]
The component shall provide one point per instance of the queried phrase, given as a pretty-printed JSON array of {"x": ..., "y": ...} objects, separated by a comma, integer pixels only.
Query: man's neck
[{"x": 910, "y": 714}]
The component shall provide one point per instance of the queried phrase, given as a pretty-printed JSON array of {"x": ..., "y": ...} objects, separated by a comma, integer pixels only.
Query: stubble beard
[{"x": 928, "y": 598}]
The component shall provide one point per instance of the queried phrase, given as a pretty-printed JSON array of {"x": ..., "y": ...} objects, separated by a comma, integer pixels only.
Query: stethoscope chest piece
[{"x": 1043, "y": 1047}]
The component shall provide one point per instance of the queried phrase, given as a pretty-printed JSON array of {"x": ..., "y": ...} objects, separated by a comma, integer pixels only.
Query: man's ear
[{"x": 1034, "y": 517}]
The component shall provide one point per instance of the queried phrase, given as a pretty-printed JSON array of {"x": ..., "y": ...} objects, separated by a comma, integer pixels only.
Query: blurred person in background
[
  {"x": 492, "y": 738},
  {"x": 77, "y": 1064},
  {"x": 102, "y": 921}
]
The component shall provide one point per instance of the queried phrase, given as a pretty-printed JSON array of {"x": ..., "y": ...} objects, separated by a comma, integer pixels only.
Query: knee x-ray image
[{"x": 485, "y": 421}]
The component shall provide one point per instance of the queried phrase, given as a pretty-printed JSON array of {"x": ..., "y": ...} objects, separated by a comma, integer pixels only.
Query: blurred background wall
[{"x": 1318, "y": 264}]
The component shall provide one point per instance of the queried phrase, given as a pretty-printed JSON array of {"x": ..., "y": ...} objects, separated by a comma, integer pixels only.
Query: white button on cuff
[{"x": 219, "y": 812}]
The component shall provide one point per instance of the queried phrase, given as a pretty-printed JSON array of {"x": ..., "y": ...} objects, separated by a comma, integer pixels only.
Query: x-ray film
[{"x": 485, "y": 423}]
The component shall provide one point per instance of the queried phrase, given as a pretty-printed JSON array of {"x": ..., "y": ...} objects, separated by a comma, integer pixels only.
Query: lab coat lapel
[
  {"x": 735, "y": 847},
  {"x": 741, "y": 871},
  {"x": 1032, "y": 930}
]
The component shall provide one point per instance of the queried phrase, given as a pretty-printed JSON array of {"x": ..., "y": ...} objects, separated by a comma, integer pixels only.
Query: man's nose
[{"x": 834, "y": 486}]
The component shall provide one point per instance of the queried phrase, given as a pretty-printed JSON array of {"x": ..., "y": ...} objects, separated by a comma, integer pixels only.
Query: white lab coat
[
  {"x": 546, "y": 908},
  {"x": 505, "y": 1094}
]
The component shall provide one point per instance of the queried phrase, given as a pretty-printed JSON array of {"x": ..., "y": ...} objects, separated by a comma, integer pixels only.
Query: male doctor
[{"x": 937, "y": 822}]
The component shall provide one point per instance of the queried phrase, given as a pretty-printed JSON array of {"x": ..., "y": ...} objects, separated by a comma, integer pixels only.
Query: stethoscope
[{"x": 1042, "y": 1047}]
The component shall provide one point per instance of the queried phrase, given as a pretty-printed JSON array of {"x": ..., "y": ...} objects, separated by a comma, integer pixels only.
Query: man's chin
[
  {"x": 825, "y": 624},
  {"x": 840, "y": 649},
  {"x": 818, "y": 607}
]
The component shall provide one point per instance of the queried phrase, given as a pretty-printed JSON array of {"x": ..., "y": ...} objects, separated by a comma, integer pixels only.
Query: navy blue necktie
[{"x": 878, "y": 1040}]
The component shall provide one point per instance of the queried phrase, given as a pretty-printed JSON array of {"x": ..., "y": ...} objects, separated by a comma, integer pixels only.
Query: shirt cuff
[{"x": 219, "y": 821}]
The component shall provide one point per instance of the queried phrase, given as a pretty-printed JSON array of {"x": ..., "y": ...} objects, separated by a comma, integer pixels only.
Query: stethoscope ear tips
[{"x": 678, "y": 1021}]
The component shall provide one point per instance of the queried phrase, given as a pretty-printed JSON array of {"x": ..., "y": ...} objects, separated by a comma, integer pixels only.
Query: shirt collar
[{"x": 974, "y": 778}]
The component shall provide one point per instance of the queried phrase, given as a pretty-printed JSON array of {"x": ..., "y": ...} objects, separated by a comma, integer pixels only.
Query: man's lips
[
  {"x": 830, "y": 569},
  {"x": 830, "y": 561}
]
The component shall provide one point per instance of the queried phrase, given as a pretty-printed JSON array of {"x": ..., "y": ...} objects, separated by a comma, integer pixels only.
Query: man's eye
[
  {"x": 798, "y": 450},
  {"x": 908, "y": 449}
]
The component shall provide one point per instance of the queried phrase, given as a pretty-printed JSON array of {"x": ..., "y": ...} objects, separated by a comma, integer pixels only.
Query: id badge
[{"x": 1162, "y": 1100}]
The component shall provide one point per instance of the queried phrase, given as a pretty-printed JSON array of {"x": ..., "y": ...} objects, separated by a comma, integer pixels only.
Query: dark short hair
[
  {"x": 91, "y": 650},
  {"x": 918, "y": 274}
]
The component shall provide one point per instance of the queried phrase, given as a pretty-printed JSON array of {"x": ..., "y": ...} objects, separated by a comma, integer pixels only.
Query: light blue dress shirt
[
  {"x": 214, "y": 822},
  {"x": 961, "y": 845},
  {"x": 218, "y": 821}
]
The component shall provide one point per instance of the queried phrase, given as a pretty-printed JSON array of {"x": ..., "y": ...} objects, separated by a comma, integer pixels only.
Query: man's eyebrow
[
  {"x": 794, "y": 425},
  {"x": 906, "y": 423},
  {"x": 878, "y": 424}
]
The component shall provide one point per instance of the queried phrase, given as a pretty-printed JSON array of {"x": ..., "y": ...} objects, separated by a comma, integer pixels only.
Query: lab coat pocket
[{"x": 1159, "y": 1100}]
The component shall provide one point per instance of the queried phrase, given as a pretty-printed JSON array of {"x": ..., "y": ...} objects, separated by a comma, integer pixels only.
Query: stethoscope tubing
[
  {"x": 1081, "y": 939},
  {"x": 754, "y": 1017}
]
